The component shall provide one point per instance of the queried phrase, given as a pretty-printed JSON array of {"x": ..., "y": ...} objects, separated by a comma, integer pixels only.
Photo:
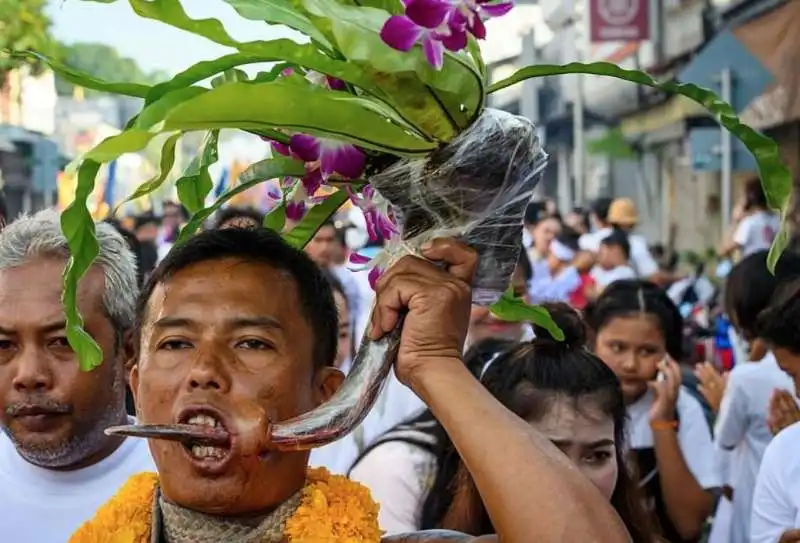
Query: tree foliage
[
  {"x": 24, "y": 25},
  {"x": 103, "y": 62}
]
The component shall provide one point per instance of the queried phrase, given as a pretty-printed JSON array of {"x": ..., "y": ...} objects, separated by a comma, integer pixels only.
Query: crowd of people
[{"x": 486, "y": 428}]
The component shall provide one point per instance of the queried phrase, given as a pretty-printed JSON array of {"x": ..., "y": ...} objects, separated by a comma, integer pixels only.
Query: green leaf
[
  {"x": 267, "y": 169},
  {"x": 167, "y": 162},
  {"x": 775, "y": 177},
  {"x": 156, "y": 111},
  {"x": 301, "y": 234},
  {"x": 85, "y": 80},
  {"x": 513, "y": 309},
  {"x": 279, "y": 12},
  {"x": 419, "y": 107},
  {"x": 278, "y": 104},
  {"x": 230, "y": 76},
  {"x": 356, "y": 32},
  {"x": 196, "y": 184},
  {"x": 79, "y": 229},
  {"x": 276, "y": 219}
]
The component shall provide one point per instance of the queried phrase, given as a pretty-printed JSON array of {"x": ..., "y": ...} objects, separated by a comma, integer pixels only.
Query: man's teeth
[
  {"x": 203, "y": 420},
  {"x": 202, "y": 451}
]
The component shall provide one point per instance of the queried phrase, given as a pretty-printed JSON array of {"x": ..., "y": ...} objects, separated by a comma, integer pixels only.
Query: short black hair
[
  {"x": 259, "y": 245},
  {"x": 232, "y": 213},
  {"x": 750, "y": 286},
  {"x": 535, "y": 212},
  {"x": 779, "y": 324},
  {"x": 145, "y": 219},
  {"x": 618, "y": 238},
  {"x": 600, "y": 207}
]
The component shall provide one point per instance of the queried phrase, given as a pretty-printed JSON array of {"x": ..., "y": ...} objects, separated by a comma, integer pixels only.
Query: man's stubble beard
[{"x": 89, "y": 438}]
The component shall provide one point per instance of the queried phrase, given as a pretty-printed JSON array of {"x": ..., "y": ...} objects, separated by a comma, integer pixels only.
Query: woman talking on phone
[{"x": 638, "y": 333}]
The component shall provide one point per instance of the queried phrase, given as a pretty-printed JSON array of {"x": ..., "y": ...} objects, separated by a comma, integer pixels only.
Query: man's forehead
[{"x": 228, "y": 282}]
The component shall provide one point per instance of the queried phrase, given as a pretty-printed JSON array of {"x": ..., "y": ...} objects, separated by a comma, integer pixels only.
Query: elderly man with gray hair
[{"x": 56, "y": 464}]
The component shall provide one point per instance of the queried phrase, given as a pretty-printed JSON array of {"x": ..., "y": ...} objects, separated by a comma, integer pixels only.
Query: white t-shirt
[
  {"x": 776, "y": 501},
  {"x": 399, "y": 476},
  {"x": 642, "y": 261},
  {"x": 39, "y": 505},
  {"x": 756, "y": 232},
  {"x": 694, "y": 435},
  {"x": 603, "y": 278},
  {"x": 742, "y": 428}
]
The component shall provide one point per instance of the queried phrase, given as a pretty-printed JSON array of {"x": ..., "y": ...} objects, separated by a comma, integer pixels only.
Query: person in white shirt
[
  {"x": 612, "y": 260},
  {"x": 560, "y": 278},
  {"x": 638, "y": 333},
  {"x": 742, "y": 426},
  {"x": 558, "y": 387},
  {"x": 57, "y": 466},
  {"x": 776, "y": 501},
  {"x": 754, "y": 226},
  {"x": 621, "y": 214}
]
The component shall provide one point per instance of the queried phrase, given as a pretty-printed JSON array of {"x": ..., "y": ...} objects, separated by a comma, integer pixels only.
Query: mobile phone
[{"x": 661, "y": 375}]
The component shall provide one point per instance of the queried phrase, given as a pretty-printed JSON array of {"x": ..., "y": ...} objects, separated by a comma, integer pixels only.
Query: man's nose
[
  {"x": 209, "y": 372},
  {"x": 33, "y": 373}
]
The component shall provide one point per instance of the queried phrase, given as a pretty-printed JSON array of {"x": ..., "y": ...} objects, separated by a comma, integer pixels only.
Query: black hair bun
[{"x": 570, "y": 323}]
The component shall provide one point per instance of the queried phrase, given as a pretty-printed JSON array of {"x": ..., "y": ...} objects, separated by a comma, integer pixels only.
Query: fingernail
[{"x": 427, "y": 246}]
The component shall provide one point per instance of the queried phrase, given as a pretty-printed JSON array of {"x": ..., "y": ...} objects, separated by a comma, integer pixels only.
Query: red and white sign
[{"x": 619, "y": 20}]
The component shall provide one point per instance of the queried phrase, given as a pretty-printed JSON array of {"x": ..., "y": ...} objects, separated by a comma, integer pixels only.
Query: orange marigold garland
[{"x": 333, "y": 509}]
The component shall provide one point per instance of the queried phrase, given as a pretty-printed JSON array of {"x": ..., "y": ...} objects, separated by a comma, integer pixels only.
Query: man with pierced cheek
[{"x": 237, "y": 329}]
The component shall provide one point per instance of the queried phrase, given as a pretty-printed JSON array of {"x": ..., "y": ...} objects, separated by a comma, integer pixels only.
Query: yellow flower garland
[{"x": 333, "y": 509}]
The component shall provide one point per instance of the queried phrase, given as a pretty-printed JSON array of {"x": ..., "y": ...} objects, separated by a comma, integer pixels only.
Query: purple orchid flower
[
  {"x": 440, "y": 25},
  {"x": 329, "y": 155},
  {"x": 374, "y": 274},
  {"x": 425, "y": 22},
  {"x": 295, "y": 211},
  {"x": 358, "y": 259},
  {"x": 379, "y": 226}
]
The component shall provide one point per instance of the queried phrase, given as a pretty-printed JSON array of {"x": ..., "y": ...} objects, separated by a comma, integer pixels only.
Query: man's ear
[
  {"x": 128, "y": 353},
  {"x": 326, "y": 382},
  {"x": 133, "y": 383}
]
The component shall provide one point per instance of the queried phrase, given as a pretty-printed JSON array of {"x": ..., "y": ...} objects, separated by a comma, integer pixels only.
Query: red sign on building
[{"x": 619, "y": 20}]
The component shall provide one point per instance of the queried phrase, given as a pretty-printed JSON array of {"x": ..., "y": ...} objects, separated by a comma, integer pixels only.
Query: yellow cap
[{"x": 622, "y": 211}]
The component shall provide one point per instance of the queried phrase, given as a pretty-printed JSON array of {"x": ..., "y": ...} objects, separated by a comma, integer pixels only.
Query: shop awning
[
  {"x": 674, "y": 110},
  {"x": 773, "y": 39}
]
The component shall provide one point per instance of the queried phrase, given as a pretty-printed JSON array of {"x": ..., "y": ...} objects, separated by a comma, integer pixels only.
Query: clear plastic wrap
[{"x": 476, "y": 189}]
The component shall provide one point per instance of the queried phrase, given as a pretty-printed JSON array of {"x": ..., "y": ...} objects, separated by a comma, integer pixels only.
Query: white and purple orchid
[{"x": 440, "y": 25}]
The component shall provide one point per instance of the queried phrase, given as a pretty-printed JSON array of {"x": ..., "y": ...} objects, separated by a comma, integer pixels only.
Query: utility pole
[
  {"x": 726, "y": 146},
  {"x": 578, "y": 128},
  {"x": 529, "y": 101}
]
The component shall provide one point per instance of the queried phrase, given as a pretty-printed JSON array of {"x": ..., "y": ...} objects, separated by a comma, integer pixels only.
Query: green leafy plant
[{"x": 369, "y": 87}]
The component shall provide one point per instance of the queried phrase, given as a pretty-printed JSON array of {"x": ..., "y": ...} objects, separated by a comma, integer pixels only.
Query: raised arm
[{"x": 530, "y": 489}]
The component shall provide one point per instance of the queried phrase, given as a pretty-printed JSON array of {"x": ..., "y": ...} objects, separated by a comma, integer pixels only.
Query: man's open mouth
[{"x": 205, "y": 445}]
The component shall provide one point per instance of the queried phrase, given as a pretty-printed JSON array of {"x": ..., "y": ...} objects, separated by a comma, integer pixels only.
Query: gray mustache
[{"x": 40, "y": 404}]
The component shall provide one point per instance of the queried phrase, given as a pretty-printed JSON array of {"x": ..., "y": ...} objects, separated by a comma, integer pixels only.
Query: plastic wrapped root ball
[{"x": 476, "y": 188}]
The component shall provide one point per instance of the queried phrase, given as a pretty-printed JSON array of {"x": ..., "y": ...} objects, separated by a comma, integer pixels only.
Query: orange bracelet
[{"x": 664, "y": 425}]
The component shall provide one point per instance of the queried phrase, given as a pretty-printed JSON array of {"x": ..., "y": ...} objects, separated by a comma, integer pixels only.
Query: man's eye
[
  {"x": 59, "y": 343},
  {"x": 175, "y": 344},
  {"x": 6, "y": 345},
  {"x": 254, "y": 344}
]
